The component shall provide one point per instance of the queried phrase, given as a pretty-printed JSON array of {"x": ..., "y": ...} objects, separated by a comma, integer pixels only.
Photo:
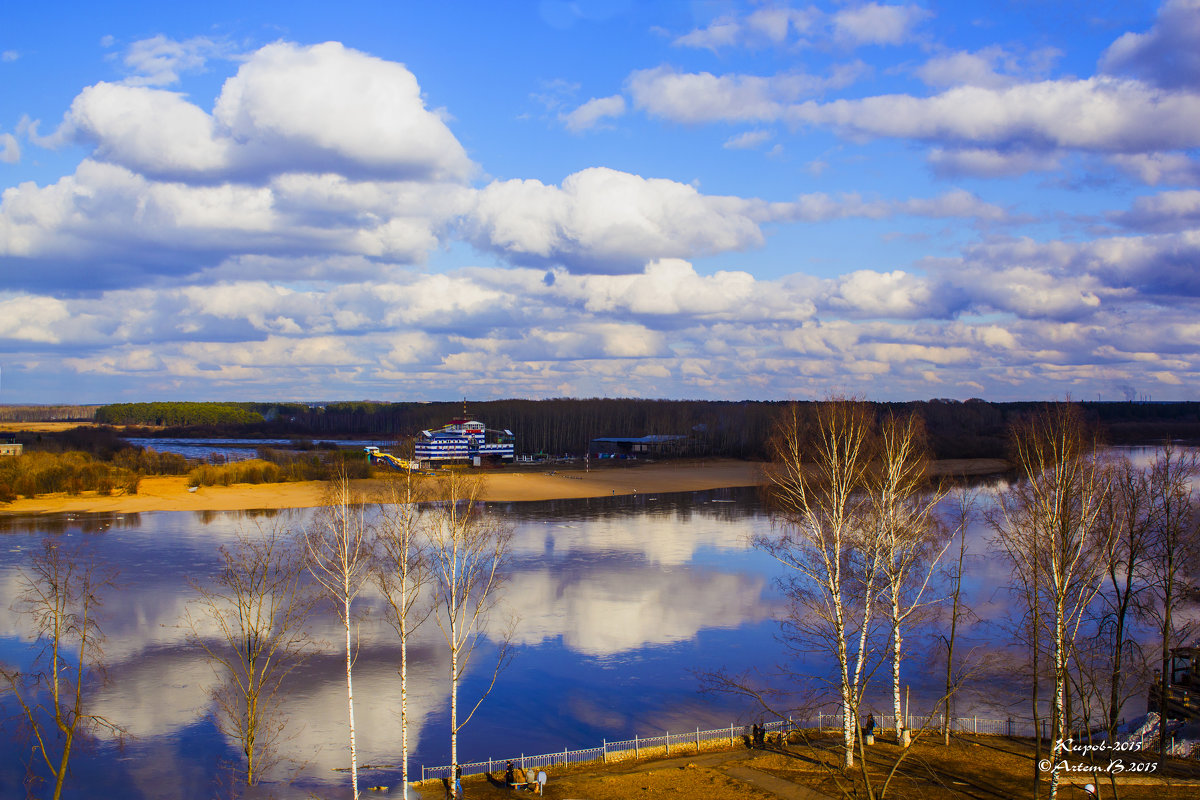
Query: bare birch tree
[
  {"x": 339, "y": 558},
  {"x": 1048, "y": 526},
  {"x": 964, "y": 510},
  {"x": 1127, "y": 513},
  {"x": 252, "y": 625},
  {"x": 817, "y": 483},
  {"x": 402, "y": 574},
  {"x": 906, "y": 530},
  {"x": 468, "y": 551},
  {"x": 1175, "y": 557},
  {"x": 62, "y": 593}
]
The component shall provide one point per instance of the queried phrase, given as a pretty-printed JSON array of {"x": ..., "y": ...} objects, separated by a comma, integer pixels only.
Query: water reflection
[
  {"x": 57, "y": 524},
  {"x": 615, "y": 610},
  {"x": 206, "y": 517},
  {"x": 618, "y": 598}
]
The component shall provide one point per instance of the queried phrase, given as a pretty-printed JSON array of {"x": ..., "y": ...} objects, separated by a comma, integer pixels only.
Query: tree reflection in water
[{"x": 620, "y": 599}]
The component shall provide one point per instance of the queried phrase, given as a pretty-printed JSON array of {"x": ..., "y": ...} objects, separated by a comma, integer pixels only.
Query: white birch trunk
[
  {"x": 453, "y": 701},
  {"x": 404, "y": 694},
  {"x": 902, "y": 735},
  {"x": 848, "y": 707},
  {"x": 350, "y": 702},
  {"x": 861, "y": 659},
  {"x": 454, "y": 643}
]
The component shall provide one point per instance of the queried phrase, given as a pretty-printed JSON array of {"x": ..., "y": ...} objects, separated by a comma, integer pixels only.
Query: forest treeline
[
  {"x": 739, "y": 429},
  {"x": 47, "y": 413},
  {"x": 177, "y": 413}
]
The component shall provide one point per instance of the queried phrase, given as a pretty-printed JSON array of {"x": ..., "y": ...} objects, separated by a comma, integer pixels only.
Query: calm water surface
[
  {"x": 619, "y": 601},
  {"x": 243, "y": 449}
]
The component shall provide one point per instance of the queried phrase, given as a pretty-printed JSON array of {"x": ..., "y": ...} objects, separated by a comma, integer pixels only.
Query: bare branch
[
  {"x": 258, "y": 611},
  {"x": 62, "y": 593}
]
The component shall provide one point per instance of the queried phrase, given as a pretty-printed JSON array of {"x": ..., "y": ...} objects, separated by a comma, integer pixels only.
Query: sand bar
[{"x": 171, "y": 493}]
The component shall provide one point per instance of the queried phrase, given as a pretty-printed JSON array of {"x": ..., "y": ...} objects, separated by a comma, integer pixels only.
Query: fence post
[
  {"x": 522, "y": 761},
  {"x": 422, "y": 773},
  {"x": 668, "y": 743},
  {"x": 731, "y": 734},
  {"x": 564, "y": 756},
  {"x": 605, "y": 746},
  {"x": 636, "y": 754},
  {"x": 697, "y": 740},
  {"x": 975, "y": 725}
]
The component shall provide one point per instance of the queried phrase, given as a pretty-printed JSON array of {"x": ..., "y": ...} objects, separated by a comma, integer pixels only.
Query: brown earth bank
[
  {"x": 978, "y": 768},
  {"x": 44, "y": 427},
  {"x": 171, "y": 493}
]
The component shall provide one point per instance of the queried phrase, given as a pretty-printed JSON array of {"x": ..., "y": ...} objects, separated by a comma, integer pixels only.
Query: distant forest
[
  {"x": 47, "y": 413},
  {"x": 970, "y": 429}
]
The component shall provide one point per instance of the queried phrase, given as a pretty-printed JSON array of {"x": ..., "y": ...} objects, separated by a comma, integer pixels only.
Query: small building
[
  {"x": 653, "y": 445},
  {"x": 464, "y": 440},
  {"x": 9, "y": 446}
]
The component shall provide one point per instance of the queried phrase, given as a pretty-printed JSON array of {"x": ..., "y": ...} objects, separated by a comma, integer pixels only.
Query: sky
[{"x": 599, "y": 198}]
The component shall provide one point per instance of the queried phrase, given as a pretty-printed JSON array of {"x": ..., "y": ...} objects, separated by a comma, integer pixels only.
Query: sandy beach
[{"x": 171, "y": 493}]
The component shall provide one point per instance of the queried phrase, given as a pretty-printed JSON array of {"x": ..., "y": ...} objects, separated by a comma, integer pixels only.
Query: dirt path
[
  {"x": 687, "y": 776},
  {"x": 776, "y": 786}
]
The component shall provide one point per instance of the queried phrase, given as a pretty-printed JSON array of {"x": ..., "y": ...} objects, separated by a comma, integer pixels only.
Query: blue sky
[{"x": 719, "y": 200}]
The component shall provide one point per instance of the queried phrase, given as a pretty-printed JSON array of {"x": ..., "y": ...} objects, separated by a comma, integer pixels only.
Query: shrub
[{"x": 35, "y": 473}]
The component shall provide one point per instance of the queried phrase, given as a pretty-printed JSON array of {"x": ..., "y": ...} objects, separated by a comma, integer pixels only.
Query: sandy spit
[{"x": 171, "y": 493}]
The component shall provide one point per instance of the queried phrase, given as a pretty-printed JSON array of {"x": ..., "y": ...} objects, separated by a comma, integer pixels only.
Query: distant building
[
  {"x": 639, "y": 447},
  {"x": 464, "y": 440},
  {"x": 9, "y": 446}
]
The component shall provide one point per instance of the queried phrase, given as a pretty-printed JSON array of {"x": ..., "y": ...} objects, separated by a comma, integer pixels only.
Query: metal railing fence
[
  {"x": 694, "y": 741},
  {"x": 666, "y": 743}
]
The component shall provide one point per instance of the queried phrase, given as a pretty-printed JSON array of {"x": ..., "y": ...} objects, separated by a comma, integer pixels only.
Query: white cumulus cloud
[
  {"x": 1168, "y": 54},
  {"x": 159, "y": 60},
  {"x": 590, "y": 114},
  {"x": 877, "y": 23},
  {"x": 318, "y": 108},
  {"x": 604, "y": 220},
  {"x": 762, "y": 27},
  {"x": 10, "y": 151}
]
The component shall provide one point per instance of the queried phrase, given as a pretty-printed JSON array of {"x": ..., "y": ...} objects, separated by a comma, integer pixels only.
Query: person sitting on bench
[{"x": 513, "y": 779}]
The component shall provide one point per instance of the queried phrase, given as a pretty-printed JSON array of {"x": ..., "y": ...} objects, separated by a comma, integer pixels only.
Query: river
[{"x": 620, "y": 602}]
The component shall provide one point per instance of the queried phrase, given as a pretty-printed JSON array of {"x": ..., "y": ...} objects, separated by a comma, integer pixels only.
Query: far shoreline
[{"x": 170, "y": 493}]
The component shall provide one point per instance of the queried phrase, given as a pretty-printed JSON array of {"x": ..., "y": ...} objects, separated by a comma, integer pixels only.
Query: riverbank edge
[{"x": 171, "y": 493}]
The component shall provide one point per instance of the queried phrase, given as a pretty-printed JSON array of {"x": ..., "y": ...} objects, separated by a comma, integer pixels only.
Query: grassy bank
[
  {"x": 96, "y": 460},
  {"x": 276, "y": 466},
  {"x": 73, "y": 473}
]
